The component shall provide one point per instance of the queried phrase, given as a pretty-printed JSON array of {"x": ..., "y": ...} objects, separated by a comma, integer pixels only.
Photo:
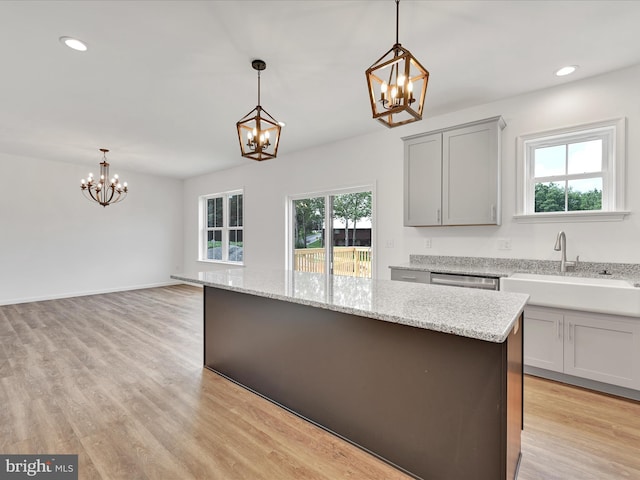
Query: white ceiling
[{"x": 164, "y": 82}]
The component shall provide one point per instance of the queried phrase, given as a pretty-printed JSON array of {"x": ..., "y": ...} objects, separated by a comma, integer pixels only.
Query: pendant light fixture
[
  {"x": 396, "y": 82},
  {"x": 258, "y": 132},
  {"x": 104, "y": 191}
]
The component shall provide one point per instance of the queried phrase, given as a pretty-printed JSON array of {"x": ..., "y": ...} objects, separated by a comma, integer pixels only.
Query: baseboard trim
[
  {"x": 84, "y": 294},
  {"x": 584, "y": 383}
]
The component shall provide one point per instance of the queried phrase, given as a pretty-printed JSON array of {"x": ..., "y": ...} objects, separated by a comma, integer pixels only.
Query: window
[
  {"x": 332, "y": 232},
  {"x": 221, "y": 227},
  {"x": 572, "y": 173}
]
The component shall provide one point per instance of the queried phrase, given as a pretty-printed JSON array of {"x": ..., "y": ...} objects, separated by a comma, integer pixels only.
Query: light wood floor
[{"x": 118, "y": 379}]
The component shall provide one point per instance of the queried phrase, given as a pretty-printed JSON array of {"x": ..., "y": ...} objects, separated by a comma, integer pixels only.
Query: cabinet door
[
  {"x": 543, "y": 339},
  {"x": 470, "y": 176},
  {"x": 603, "y": 349},
  {"x": 423, "y": 180}
]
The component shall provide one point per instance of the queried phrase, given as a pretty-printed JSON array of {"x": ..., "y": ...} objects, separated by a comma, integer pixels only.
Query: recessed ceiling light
[
  {"x": 74, "y": 43},
  {"x": 569, "y": 69}
]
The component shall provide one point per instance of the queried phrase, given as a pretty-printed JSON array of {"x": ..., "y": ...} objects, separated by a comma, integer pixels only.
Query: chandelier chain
[{"x": 397, "y": 21}]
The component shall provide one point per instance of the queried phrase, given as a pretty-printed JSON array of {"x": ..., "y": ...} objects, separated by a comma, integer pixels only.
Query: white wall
[
  {"x": 378, "y": 158},
  {"x": 54, "y": 243}
]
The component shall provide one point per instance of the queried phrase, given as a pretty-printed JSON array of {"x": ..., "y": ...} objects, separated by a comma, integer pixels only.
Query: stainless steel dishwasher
[{"x": 467, "y": 281}]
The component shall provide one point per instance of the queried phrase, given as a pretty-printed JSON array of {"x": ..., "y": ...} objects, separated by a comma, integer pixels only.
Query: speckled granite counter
[
  {"x": 466, "y": 312},
  {"x": 504, "y": 267}
]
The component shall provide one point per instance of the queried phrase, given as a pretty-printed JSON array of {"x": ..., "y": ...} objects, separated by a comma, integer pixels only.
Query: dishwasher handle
[{"x": 468, "y": 281}]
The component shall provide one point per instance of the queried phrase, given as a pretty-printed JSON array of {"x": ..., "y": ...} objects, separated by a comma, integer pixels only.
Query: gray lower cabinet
[
  {"x": 452, "y": 176},
  {"x": 415, "y": 276},
  {"x": 604, "y": 348}
]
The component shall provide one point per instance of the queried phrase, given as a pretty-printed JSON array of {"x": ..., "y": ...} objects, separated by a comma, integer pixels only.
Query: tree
[
  {"x": 550, "y": 197},
  {"x": 309, "y": 217},
  {"x": 352, "y": 207}
]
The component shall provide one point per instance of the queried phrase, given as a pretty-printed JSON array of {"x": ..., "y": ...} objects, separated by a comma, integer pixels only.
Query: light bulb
[
  {"x": 90, "y": 176},
  {"x": 255, "y": 132},
  {"x": 83, "y": 181},
  {"x": 101, "y": 177},
  {"x": 394, "y": 92},
  {"x": 261, "y": 138},
  {"x": 383, "y": 87},
  {"x": 249, "y": 136},
  {"x": 116, "y": 176},
  {"x": 410, "y": 87},
  {"x": 566, "y": 70},
  {"x": 125, "y": 184},
  {"x": 401, "y": 81},
  {"x": 74, "y": 43},
  {"x": 266, "y": 134}
]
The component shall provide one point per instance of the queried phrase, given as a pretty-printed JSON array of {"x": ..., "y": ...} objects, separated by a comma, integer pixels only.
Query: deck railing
[{"x": 349, "y": 261}]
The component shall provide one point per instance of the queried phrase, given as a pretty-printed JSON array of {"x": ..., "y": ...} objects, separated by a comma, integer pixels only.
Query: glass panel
[
  {"x": 236, "y": 246},
  {"x": 351, "y": 234},
  {"x": 549, "y": 161},
  {"x": 550, "y": 197},
  {"x": 214, "y": 245},
  {"x": 585, "y": 157},
  {"x": 309, "y": 251},
  {"x": 235, "y": 211},
  {"x": 214, "y": 212},
  {"x": 585, "y": 194}
]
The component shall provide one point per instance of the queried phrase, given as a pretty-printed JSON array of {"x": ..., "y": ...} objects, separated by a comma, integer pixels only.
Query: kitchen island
[{"x": 428, "y": 378}]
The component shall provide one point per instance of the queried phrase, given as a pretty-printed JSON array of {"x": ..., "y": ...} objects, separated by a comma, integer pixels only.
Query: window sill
[
  {"x": 564, "y": 217},
  {"x": 222, "y": 262}
]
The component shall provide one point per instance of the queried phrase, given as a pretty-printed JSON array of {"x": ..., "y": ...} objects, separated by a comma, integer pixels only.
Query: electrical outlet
[
  {"x": 504, "y": 244},
  {"x": 427, "y": 243}
]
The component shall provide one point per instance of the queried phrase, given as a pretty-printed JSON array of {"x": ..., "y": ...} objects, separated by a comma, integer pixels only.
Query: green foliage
[
  {"x": 214, "y": 244},
  {"x": 550, "y": 197},
  {"x": 309, "y": 216},
  {"x": 352, "y": 207}
]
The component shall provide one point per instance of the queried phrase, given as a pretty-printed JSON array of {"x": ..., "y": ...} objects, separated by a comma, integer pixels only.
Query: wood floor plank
[{"x": 118, "y": 379}]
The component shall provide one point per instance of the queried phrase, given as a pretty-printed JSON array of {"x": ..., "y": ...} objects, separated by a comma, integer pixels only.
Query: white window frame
[
  {"x": 290, "y": 221},
  {"x": 204, "y": 229},
  {"x": 612, "y": 133}
]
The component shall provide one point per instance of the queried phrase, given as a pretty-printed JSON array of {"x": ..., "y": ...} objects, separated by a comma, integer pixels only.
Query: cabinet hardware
[
  {"x": 438, "y": 220},
  {"x": 493, "y": 213},
  {"x": 570, "y": 332},
  {"x": 406, "y": 277}
]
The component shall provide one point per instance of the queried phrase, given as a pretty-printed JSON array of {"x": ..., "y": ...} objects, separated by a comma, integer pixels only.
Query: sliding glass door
[{"x": 332, "y": 233}]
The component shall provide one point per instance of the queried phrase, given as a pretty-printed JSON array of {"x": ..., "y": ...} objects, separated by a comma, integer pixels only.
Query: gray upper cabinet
[{"x": 452, "y": 176}]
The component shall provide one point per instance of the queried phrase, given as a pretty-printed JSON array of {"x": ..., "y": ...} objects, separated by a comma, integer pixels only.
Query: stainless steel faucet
[{"x": 561, "y": 246}]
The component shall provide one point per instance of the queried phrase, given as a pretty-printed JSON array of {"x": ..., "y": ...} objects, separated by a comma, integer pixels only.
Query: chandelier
[
  {"x": 103, "y": 191},
  {"x": 258, "y": 132},
  {"x": 392, "y": 81}
]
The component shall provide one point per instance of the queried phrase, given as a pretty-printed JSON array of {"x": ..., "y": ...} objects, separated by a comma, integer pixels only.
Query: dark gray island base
[{"x": 438, "y": 406}]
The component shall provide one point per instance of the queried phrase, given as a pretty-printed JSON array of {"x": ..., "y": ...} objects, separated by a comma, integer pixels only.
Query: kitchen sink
[{"x": 604, "y": 295}]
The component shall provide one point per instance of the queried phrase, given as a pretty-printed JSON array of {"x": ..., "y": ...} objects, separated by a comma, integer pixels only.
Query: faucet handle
[{"x": 572, "y": 265}]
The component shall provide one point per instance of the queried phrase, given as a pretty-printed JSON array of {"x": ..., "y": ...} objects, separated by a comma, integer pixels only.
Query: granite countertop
[
  {"x": 478, "y": 314},
  {"x": 504, "y": 267}
]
